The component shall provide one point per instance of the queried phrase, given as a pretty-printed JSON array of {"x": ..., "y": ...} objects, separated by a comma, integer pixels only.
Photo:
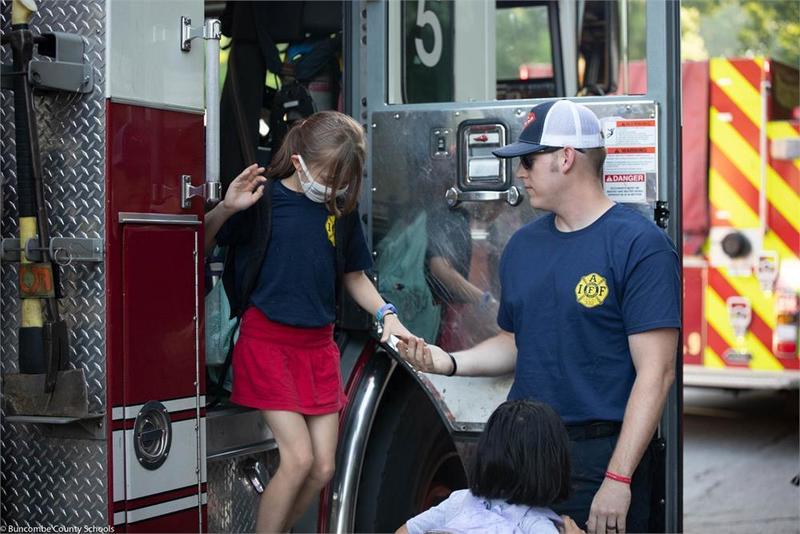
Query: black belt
[{"x": 595, "y": 429}]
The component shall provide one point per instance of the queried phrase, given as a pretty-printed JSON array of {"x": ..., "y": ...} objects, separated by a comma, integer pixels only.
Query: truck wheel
[{"x": 411, "y": 463}]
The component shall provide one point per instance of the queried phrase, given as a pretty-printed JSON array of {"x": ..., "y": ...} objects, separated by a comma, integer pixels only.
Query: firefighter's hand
[
  {"x": 609, "y": 508},
  {"x": 245, "y": 190},
  {"x": 570, "y": 526},
  {"x": 424, "y": 357},
  {"x": 393, "y": 326}
]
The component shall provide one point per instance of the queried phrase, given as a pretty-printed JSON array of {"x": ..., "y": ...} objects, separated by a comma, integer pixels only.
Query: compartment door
[{"x": 164, "y": 423}]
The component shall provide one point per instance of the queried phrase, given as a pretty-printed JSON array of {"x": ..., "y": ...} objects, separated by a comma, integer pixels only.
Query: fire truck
[
  {"x": 111, "y": 121},
  {"x": 741, "y": 196},
  {"x": 741, "y": 246}
]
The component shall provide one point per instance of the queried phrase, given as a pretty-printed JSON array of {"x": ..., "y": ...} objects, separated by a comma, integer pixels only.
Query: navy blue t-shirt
[
  {"x": 573, "y": 298},
  {"x": 297, "y": 282}
]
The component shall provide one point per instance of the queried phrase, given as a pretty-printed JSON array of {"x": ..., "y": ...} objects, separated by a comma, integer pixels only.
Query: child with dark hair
[{"x": 521, "y": 467}]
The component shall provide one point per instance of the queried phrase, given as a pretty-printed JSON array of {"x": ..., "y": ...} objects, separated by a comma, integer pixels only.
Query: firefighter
[
  {"x": 589, "y": 312},
  {"x": 285, "y": 361}
]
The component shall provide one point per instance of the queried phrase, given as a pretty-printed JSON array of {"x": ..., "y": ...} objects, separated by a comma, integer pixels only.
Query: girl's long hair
[{"x": 333, "y": 144}]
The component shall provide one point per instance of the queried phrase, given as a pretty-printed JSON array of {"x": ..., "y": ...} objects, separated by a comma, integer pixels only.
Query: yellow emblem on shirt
[
  {"x": 330, "y": 226},
  {"x": 592, "y": 290}
]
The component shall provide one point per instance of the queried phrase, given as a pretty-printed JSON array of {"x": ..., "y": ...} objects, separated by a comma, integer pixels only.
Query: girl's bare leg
[
  {"x": 324, "y": 430},
  {"x": 296, "y": 454}
]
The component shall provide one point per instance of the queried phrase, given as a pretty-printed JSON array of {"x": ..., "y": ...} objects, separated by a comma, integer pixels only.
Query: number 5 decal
[{"x": 428, "y": 18}]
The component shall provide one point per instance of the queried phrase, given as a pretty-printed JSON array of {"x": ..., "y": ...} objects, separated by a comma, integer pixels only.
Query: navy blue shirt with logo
[
  {"x": 573, "y": 298},
  {"x": 297, "y": 282}
]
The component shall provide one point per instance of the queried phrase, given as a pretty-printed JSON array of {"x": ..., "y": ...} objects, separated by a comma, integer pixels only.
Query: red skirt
[{"x": 281, "y": 367}]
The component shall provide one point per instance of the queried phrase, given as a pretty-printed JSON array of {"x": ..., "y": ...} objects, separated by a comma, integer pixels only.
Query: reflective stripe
[
  {"x": 727, "y": 139},
  {"x": 164, "y": 508},
  {"x": 737, "y": 87},
  {"x": 174, "y": 405}
]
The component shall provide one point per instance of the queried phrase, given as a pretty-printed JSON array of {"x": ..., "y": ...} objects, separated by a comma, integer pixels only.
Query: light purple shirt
[{"x": 530, "y": 520}]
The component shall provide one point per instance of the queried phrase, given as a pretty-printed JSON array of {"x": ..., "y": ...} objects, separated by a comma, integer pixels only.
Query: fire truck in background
[
  {"x": 742, "y": 235},
  {"x": 108, "y": 416},
  {"x": 741, "y": 221}
]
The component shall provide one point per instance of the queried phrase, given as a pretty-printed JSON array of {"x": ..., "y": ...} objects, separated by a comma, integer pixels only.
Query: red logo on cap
[{"x": 530, "y": 119}]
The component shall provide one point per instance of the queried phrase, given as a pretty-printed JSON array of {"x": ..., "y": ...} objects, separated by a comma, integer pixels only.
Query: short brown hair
[
  {"x": 597, "y": 157},
  {"x": 329, "y": 140}
]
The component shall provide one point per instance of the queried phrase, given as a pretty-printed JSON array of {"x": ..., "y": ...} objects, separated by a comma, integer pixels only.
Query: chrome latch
[
  {"x": 454, "y": 196},
  {"x": 209, "y": 191},
  {"x": 212, "y": 29},
  {"x": 152, "y": 435}
]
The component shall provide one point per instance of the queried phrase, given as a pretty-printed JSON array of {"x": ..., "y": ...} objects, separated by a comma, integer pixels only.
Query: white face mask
[{"x": 313, "y": 189}]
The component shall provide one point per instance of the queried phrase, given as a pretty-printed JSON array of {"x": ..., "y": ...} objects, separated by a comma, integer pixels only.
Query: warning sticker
[
  {"x": 631, "y": 159},
  {"x": 626, "y": 187},
  {"x": 630, "y": 132}
]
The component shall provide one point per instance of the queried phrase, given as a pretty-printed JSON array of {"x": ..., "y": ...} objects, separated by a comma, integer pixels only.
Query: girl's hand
[
  {"x": 424, "y": 357},
  {"x": 245, "y": 190},
  {"x": 393, "y": 326}
]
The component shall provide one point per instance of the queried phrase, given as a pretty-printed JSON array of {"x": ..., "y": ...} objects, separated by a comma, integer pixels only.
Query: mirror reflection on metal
[
  {"x": 461, "y": 232},
  {"x": 459, "y": 228}
]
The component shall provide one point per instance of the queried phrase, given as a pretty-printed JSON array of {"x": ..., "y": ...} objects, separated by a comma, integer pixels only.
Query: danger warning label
[
  {"x": 625, "y": 178},
  {"x": 630, "y": 158}
]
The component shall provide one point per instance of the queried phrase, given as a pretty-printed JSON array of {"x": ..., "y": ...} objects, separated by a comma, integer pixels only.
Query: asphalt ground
[{"x": 741, "y": 452}]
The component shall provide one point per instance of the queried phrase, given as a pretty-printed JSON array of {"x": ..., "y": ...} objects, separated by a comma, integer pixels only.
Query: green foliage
[
  {"x": 773, "y": 27},
  {"x": 728, "y": 28},
  {"x": 523, "y": 37},
  {"x": 747, "y": 27},
  {"x": 636, "y": 25},
  {"x": 693, "y": 47}
]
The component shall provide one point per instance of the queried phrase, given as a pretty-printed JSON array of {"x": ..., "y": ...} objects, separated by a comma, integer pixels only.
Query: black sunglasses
[{"x": 527, "y": 159}]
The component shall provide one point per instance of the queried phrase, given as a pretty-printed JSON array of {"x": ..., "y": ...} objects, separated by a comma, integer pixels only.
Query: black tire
[{"x": 411, "y": 463}]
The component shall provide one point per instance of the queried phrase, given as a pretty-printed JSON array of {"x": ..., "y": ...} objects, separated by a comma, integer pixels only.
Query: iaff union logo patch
[
  {"x": 330, "y": 225},
  {"x": 592, "y": 290}
]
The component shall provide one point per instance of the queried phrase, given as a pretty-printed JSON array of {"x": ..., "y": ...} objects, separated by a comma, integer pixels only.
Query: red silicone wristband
[{"x": 618, "y": 478}]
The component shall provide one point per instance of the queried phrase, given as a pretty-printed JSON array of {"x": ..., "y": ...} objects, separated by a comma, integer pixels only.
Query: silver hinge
[
  {"x": 209, "y": 191},
  {"x": 212, "y": 29}
]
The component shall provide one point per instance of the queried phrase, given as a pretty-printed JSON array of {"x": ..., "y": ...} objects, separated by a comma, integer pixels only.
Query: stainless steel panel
[
  {"x": 409, "y": 178},
  {"x": 232, "y": 498},
  {"x": 407, "y": 181},
  {"x": 44, "y": 480},
  {"x": 234, "y": 429},
  {"x": 51, "y": 481}
]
